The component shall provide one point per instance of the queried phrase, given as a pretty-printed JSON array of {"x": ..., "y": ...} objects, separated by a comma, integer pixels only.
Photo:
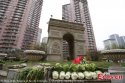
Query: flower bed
[
  {"x": 73, "y": 71},
  {"x": 62, "y": 73}
]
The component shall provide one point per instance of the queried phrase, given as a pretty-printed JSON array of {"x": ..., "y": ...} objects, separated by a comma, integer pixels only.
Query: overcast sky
[{"x": 108, "y": 17}]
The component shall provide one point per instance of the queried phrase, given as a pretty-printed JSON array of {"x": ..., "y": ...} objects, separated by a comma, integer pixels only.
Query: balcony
[
  {"x": 4, "y": 3},
  {"x": 13, "y": 26},
  {"x": 11, "y": 32},
  {"x": 21, "y": 9},
  {"x": 8, "y": 37},
  {"x": 16, "y": 17},
  {"x": 2, "y": 11},
  {"x": 18, "y": 20},
  {"x": 12, "y": 29},
  {"x": 22, "y": 2},
  {"x": 16, "y": 23},
  {"x": 18, "y": 14},
  {"x": 3, "y": 8},
  {"x": 22, "y": 5},
  {"x": 7, "y": 1},
  {"x": 7, "y": 44},
  {"x": 1, "y": 17}
]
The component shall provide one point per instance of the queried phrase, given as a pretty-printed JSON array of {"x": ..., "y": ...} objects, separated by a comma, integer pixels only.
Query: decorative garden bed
[
  {"x": 62, "y": 73},
  {"x": 60, "y": 69}
]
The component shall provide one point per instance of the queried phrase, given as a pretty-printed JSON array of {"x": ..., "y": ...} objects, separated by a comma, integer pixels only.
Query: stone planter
[
  {"x": 3, "y": 75},
  {"x": 11, "y": 73}
]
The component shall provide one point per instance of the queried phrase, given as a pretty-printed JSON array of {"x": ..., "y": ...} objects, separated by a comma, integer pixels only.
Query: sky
[{"x": 107, "y": 16}]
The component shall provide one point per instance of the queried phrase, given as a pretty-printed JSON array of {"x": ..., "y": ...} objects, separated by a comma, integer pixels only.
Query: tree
[{"x": 42, "y": 47}]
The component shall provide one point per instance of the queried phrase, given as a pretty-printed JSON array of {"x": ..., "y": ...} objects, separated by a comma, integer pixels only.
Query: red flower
[{"x": 77, "y": 60}]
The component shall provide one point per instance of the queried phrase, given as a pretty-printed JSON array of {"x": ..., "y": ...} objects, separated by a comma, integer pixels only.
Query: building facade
[
  {"x": 115, "y": 40},
  {"x": 39, "y": 36},
  {"x": 66, "y": 10},
  {"x": 122, "y": 40},
  {"x": 65, "y": 40},
  {"x": 44, "y": 40},
  {"x": 77, "y": 11},
  {"x": 109, "y": 43},
  {"x": 19, "y": 21}
]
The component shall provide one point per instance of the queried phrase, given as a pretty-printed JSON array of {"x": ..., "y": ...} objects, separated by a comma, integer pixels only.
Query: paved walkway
[{"x": 117, "y": 70}]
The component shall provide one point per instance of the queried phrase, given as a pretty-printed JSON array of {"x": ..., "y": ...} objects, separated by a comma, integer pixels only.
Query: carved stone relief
[
  {"x": 55, "y": 48},
  {"x": 80, "y": 49},
  {"x": 80, "y": 36},
  {"x": 55, "y": 33}
]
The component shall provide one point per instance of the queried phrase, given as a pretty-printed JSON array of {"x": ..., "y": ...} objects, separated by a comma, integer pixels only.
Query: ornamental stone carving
[
  {"x": 55, "y": 48},
  {"x": 58, "y": 31}
]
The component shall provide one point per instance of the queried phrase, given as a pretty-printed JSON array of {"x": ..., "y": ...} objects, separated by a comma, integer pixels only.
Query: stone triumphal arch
[{"x": 65, "y": 40}]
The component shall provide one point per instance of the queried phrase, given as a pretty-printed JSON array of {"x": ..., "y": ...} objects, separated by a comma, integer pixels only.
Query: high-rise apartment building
[
  {"x": 39, "y": 36},
  {"x": 114, "y": 40},
  {"x": 110, "y": 43},
  {"x": 116, "y": 37},
  {"x": 122, "y": 40},
  {"x": 66, "y": 12},
  {"x": 44, "y": 40},
  {"x": 77, "y": 11},
  {"x": 19, "y": 21}
]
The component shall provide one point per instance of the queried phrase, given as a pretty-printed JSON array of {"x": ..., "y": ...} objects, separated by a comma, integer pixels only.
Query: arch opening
[{"x": 68, "y": 47}]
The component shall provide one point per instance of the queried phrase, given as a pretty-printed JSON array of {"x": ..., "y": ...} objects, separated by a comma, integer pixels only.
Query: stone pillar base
[{"x": 54, "y": 57}]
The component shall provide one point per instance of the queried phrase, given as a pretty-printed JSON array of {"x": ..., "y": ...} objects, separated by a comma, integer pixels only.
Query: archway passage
[{"x": 68, "y": 46}]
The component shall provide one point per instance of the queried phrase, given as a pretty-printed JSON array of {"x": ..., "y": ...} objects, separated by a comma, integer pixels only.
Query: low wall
[
  {"x": 113, "y": 72},
  {"x": 54, "y": 57}
]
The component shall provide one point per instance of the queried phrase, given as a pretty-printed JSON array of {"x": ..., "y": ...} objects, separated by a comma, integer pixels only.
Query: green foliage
[
  {"x": 102, "y": 64},
  {"x": 58, "y": 67},
  {"x": 42, "y": 46},
  {"x": 35, "y": 73},
  {"x": 90, "y": 67},
  {"x": 81, "y": 67},
  {"x": 22, "y": 74},
  {"x": 122, "y": 64},
  {"x": 2, "y": 62},
  {"x": 75, "y": 67},
  {"x": 66, "y": 67}
]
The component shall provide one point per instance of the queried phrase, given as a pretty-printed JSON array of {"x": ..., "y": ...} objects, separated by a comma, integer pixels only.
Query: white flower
[
  {"x": 88, "y": 75},
  {"x": 80, "y": 75},
  {"x": 94, "y": 75},
  {"x": 55, "y": 75},
  {"x": 74, "y": 76},
  {"x": 67, "y": 76},
  {"x": 24, "y": 64},
  {"x": 62, "y": 75}
]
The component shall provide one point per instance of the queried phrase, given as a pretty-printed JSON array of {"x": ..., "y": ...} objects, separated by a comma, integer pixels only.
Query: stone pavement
[{"x": 117, "y": 70}]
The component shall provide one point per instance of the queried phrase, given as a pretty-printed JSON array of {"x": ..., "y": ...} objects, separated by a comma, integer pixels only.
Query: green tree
[{"x": 42, "y": 47}]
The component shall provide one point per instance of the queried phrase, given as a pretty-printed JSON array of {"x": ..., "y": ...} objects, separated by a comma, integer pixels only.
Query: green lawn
[
  {"x": 122, "y": 64},
  {"x": 103, "y": 64}
]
